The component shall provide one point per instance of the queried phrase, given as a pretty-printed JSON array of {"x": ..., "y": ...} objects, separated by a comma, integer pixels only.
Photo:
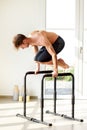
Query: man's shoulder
[
  {"x": 34, "y": 32},
  {"x": 38, "y": 31}
]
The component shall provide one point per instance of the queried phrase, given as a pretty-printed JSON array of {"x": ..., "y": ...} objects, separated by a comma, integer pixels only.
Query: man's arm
[
  {"x": 37, "y": 63},
  {"x": 35, "y": 49},
  {"x": 50, "y": 50},
  {"x": 54, "y": 59}
]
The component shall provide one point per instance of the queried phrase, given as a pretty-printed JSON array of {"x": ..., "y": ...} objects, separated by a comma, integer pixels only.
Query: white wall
[{"x": 18, "y": 16}]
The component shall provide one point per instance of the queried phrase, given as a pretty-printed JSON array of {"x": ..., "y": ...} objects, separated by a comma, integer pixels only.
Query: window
[
  {"x": 60, "y": 14},
  {"x": 60, "y": 18}
]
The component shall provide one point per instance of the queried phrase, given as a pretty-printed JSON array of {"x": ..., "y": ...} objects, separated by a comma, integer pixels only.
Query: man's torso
[{"x": 40, "y": 38}]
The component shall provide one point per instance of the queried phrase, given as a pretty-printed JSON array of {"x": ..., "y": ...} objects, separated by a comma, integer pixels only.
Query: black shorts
[{"x": 44, "y": 56}]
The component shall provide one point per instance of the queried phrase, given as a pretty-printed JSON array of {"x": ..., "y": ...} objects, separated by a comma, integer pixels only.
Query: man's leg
[{"x": 60, "y": 62}]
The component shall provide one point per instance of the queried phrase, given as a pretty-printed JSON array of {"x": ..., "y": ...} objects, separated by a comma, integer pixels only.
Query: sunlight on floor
[{"x": 9, "y": 120}]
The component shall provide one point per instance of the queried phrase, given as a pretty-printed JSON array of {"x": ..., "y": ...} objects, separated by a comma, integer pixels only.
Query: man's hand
[{"x": 55, "y": 73}]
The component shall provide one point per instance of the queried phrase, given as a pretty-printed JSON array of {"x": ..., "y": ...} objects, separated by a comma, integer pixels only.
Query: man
[{"x": 51, "y": 44}]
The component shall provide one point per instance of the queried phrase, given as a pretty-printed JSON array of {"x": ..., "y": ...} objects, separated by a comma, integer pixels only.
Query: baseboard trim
[
  {"x": 5, "y": 96},
  {"x": 10, "y": 97}
]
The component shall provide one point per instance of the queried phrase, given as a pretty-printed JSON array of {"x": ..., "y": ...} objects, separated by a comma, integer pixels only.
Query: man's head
[{"x": 19, "y": 41}]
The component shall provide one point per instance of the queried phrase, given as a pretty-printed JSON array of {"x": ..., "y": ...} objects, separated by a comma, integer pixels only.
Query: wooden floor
[{"x": 9, "y": 120}]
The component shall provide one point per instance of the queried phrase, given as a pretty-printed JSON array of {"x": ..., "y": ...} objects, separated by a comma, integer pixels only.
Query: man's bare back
[{"x": 39, "y": 38}]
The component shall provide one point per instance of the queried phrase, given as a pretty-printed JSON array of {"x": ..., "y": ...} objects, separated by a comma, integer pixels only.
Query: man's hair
[{"x": 18, "y": 40}]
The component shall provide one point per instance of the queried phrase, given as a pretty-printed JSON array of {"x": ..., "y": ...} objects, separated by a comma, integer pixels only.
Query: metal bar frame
[
  {"x": 48, "y": 74},
  {"x": 24, "y": 109},
  {"x": 73, "y": 98}
]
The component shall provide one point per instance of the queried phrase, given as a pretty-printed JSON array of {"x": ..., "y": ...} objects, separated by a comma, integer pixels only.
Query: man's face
[{"x": 24, "y": 45}]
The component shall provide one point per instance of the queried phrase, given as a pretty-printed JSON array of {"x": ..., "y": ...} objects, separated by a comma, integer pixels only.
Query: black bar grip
[{"x": 40, "y": 72}]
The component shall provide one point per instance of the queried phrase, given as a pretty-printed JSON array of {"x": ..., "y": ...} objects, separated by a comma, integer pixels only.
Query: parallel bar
[
  {"x": 71, "y": 118},
  {"x": 34, "y": 120},
  {"x": 42, "y": 98},
  {"x": 25, "y": 95},
  {"x": 73, "y": 97},
  {"x": 65, "y": 116},
  {"x": 48, "y": 73},
  {"x": 29, "y": 73},
  {"x": 42, "y": 93},
  {"x": 40, "y": 72},
  {"x": 42, "y": 101},
  {"x": 55, "y": 95}
]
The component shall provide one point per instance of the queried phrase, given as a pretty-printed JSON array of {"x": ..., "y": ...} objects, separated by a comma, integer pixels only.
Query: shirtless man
[{"x": 51, "y": 44}]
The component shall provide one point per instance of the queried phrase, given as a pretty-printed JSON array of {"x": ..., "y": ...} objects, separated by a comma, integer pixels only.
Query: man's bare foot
[
  {"x": 66, "y": 66},
  {"x": 62, "y": 63}
]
